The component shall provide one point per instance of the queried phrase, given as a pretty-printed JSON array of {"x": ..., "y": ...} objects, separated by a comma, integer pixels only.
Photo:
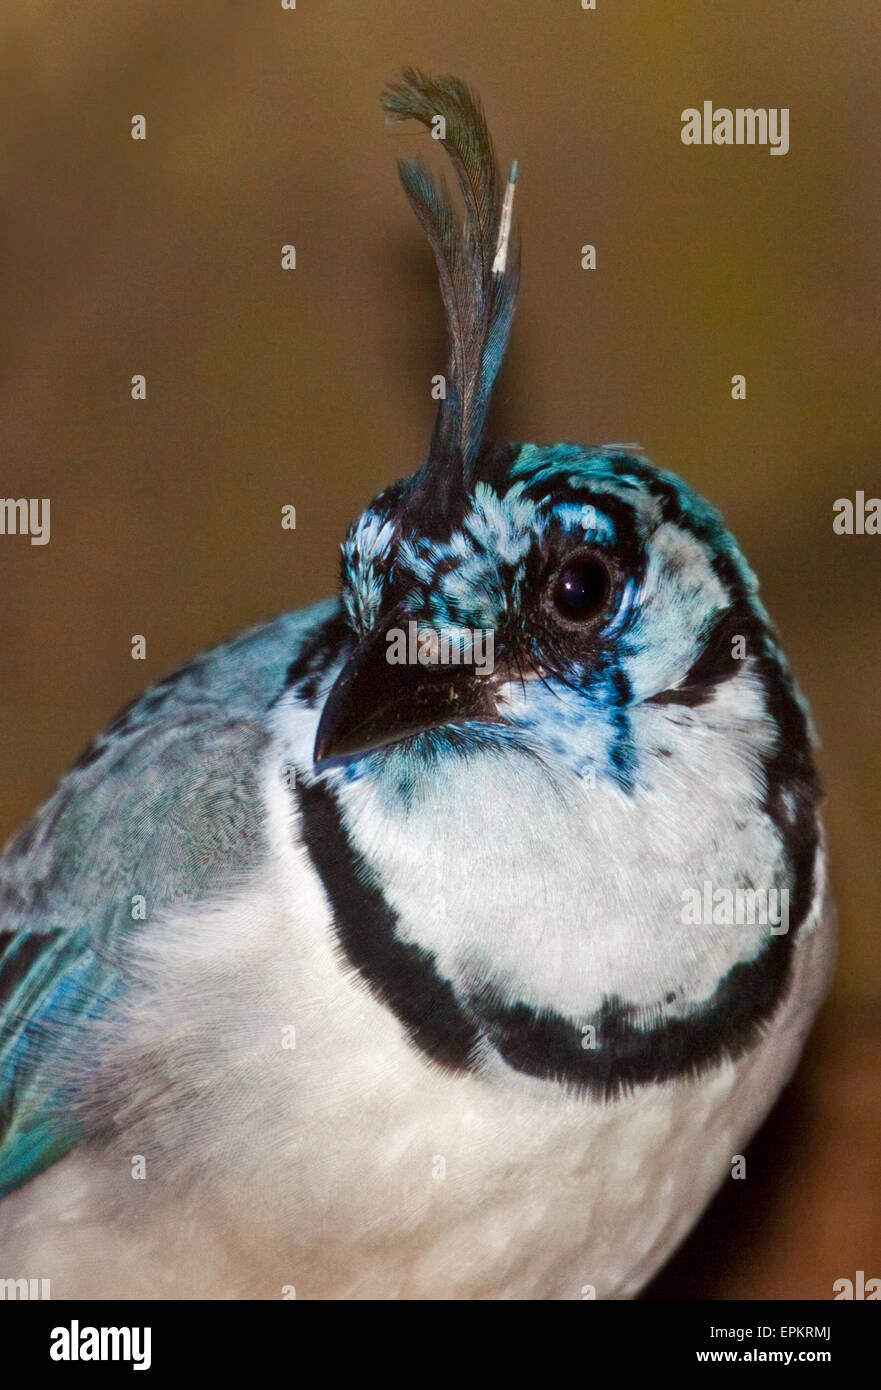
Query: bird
[{"x": 328, "y": 973}]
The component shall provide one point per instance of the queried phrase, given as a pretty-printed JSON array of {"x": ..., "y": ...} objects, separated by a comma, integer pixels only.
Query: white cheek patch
[{"x": 680, "y": 596}]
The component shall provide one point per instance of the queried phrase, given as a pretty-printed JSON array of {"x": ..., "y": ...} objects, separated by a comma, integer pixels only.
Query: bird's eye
[{"x": 581, "y": 589}]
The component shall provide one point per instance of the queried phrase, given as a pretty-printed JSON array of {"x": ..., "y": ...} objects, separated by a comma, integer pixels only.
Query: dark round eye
[{"x": 581, "y": 590}]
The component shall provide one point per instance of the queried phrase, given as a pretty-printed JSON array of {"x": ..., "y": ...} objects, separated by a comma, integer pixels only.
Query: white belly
[{"x": 346, "y": 1167}]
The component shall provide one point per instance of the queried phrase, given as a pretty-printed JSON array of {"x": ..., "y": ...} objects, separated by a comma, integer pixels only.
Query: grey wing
[{"x": 164, "y": 808}]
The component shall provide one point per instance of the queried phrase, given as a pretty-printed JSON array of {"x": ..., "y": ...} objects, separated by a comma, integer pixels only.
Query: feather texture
[{"x": 478, "y": 266}]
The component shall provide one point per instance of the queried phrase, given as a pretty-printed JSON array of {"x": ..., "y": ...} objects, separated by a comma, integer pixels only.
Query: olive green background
[{"x": 311, "y": 387}]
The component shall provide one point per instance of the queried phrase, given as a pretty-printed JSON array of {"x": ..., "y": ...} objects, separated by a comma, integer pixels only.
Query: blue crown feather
[{"x": 478, "y": 268}]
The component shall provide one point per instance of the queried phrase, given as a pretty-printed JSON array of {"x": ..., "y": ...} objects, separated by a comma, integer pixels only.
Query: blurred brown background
[{"x": 311, "y": 387}]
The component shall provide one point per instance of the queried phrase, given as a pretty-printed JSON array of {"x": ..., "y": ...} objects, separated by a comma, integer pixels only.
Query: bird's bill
[{"x": 376, "y": 701}]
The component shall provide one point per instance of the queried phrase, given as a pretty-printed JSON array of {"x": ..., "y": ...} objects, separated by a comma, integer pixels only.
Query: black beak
[{"x": 375, "y": 702}]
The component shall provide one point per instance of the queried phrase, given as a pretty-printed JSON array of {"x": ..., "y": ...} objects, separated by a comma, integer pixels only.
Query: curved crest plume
[{"x": 478, "y": 267}]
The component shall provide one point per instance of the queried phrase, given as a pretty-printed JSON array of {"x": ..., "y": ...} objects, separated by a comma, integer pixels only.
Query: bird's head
[
  {"x": 579, "y": 602},
  {"x": 563, "y": 602}
]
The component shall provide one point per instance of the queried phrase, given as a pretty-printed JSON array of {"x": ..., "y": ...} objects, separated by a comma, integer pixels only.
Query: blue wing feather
[{"x": 165, "y": 805}]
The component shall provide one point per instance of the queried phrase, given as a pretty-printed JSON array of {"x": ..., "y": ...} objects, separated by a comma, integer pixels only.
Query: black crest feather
[{"x": 478, "y": 272}]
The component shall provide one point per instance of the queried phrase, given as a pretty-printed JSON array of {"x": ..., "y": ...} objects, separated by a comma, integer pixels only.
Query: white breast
[{"x": 346, "y": 1166}]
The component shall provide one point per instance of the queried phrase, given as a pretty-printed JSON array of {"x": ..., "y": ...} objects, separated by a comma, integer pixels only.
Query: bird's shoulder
[{"x": 165, "y": 795}]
